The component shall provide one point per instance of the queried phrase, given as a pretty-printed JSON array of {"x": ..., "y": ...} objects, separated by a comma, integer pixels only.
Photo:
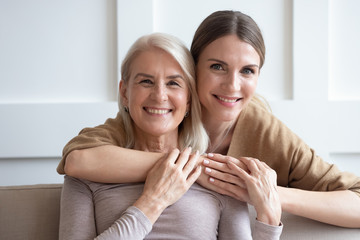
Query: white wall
[
  {"x": 59, "y": 66},
  {"x": 58, "y": 74}
]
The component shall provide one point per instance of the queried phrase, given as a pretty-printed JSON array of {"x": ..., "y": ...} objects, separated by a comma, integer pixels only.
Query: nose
[
  {"x": 232, "y": 82},
  {"x": 159, "y": 93}
]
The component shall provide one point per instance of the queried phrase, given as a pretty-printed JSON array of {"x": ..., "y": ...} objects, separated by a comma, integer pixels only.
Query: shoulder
[{"x": 257, "y": 121}]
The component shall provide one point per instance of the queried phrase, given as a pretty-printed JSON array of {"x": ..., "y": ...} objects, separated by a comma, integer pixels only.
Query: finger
[
  {"x": 229, "y": 189},
  {"x": 218, "y": 159},
  {"x": 183, "y": 157},
  {"x": 215, "y": 165},
  {"x": 230, "y": 178},
  {"x": 239, "y": 172},
  {"x": 172, "y": 156},
  {"x": 251, "y": 164},
  {"x": 191, "y": 163},
  {"x": 194, "y": 176}
]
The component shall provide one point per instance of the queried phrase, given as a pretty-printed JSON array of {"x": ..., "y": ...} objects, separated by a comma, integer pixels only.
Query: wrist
[{"x": 151, "y": 207}]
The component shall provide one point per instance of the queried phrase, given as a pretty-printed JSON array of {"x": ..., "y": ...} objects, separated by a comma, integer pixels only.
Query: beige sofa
[{"x": 32, "y": 212}]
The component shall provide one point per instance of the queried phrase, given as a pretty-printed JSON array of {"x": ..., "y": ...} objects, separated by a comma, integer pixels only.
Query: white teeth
[
  {"x": 157, "y": 111},
  {"x": 227, "y": 100}
]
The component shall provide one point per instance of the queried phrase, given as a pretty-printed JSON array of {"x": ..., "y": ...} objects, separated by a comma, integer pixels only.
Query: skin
[
  {"x": 227, "y": 76},
  {"x": 327, "y": 207},
  {"x": 167, "y": 181},
  {"x": 157, "y": 98}
]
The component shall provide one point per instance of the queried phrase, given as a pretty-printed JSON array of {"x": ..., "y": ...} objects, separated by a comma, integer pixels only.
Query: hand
[
  {"x": 216, "y": 167},
  {"x": 222, "y": 177},
  {"x": 261, "y": 185},
  {"x": 255, "y": 185},
  {"x": 167, "y": 181}
]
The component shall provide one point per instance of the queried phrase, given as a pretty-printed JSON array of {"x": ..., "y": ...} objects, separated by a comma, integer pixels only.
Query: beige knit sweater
[{"x": 258, "y": 134}]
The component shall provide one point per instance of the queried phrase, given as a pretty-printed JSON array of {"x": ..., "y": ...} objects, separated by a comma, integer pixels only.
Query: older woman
[{"x": 159, "y": 111}]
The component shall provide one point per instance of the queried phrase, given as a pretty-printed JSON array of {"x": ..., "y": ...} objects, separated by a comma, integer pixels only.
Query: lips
[
  {"x": 227, "y": 99},
  {"x": 157, "y": 110}
]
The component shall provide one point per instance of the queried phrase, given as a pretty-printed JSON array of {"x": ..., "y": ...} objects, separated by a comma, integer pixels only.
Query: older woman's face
[
  {"x": 227, "y": 75},
  {"x": 156, "y": 94}
]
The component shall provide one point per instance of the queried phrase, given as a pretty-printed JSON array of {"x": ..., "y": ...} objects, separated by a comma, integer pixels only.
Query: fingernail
[
  {"x": 210, "y": 154},
  {"x": 206, "y": 162},
  {"x": 211, "y": 180},
  {"x": 207, "y": 170}
]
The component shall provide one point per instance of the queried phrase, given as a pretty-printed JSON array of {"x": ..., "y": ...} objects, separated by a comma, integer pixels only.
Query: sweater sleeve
[
  {"x": 77, "y": 217},
  {"x": 265, "y": 231},
  {"x": 133, "y": 224},
  {"x": 261, "y": 135},
  {"x": 110, "y": 133}
]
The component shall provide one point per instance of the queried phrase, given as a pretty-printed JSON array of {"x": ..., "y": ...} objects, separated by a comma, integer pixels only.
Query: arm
[
  {"x": 335, "y": 207},
  {"x": 110, "y": 164},
  {"x": 77, "y": 218},
  {"x": 167, "y": 181},
  {"x": 340, "y": 208}
]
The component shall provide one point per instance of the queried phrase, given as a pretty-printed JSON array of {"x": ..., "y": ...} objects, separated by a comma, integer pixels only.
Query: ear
[
  {"x": 123, "y": 91},
  {"x": 188, "y": 109}
]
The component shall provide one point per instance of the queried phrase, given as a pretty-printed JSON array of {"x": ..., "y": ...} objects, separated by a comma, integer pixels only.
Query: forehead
[
  {"x": 229, "y": 48},
  {"x": 155, "y": 60}
]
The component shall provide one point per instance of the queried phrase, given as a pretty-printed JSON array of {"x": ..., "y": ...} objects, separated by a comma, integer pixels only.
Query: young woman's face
[
  {"x": 227, "y": 75},
  {"x": 156, "y": 94}
]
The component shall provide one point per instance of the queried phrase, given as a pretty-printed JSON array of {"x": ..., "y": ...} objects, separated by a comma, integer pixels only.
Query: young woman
[
  {"x": 159, "y": 112},
  {"x": 229, "y": 52}
]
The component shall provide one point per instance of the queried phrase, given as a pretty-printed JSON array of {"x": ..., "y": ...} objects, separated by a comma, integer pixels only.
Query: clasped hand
[
  {"x": 246, "y": 179},
  {"x": 167, "y": 181}
]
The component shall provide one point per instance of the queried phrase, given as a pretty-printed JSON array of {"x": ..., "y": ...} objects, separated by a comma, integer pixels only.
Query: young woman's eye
[
  {"x": 216, "y": 66},
  {"x": 248, "y": 71}
]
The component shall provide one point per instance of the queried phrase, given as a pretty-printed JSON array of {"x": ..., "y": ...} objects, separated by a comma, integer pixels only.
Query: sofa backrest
[{"x": 30, "y": 212}]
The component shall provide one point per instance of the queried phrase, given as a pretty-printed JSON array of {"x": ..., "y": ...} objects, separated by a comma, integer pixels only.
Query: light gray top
[{"x": 89, "y": 209}]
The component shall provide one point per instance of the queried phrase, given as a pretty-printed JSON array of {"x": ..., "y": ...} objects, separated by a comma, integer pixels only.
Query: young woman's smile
[{"x": 227, "y": 74}]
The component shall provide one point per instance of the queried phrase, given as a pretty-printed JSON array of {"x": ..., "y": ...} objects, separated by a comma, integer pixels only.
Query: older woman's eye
[
  {"x": 173, "y": 83},
  {"x": 146, "y": 81},
  {"x": 216, "y": 66}
]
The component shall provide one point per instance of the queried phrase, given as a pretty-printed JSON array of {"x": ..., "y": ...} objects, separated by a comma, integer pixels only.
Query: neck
[
  {"x": 220, "y": 134},
  {"x": 150, "y": 143}
]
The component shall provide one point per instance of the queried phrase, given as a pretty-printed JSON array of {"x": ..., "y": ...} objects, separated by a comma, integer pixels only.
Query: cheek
[
  {"x": 250, "y": 86},
  {"x": 181, "y": 99}
]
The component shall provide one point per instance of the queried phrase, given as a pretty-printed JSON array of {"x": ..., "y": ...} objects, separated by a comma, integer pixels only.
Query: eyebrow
[
  {"x": 224, "y": 63},
  {"x": 151, "y": 76}
]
